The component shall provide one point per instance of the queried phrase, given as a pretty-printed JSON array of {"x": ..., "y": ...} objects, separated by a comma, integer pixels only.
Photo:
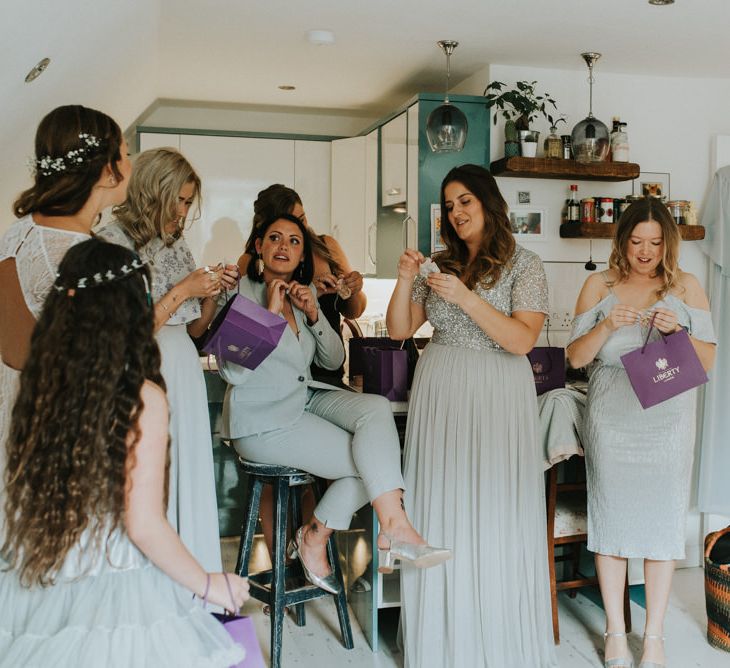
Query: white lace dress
[
  {"x": 38, "y": 251},
  {"x": 192, "y": 508}
]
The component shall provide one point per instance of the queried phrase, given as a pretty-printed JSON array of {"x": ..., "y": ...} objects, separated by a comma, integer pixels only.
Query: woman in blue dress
[{"x": 638, "y": 461}]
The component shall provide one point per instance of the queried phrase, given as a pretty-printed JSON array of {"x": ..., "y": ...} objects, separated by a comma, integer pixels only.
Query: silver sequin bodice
[{"x": 521, "y": 287}]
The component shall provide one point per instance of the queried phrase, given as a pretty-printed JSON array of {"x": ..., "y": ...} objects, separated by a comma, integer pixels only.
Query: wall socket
[{"x": 559, "y": 320}]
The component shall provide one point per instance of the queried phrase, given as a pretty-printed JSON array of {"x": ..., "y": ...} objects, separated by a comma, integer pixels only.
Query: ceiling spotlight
[
  {"x": 287, "y": 87},
  {"x": 37, "y": 70},
  {"x": 661, "y": 2},
  {"x": 321, "y": 37}
]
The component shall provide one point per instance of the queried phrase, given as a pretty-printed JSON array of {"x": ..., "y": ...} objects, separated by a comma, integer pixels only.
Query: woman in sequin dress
[
  {"x": 473, "y": 466},
  {"x": 638, "y": 461}
]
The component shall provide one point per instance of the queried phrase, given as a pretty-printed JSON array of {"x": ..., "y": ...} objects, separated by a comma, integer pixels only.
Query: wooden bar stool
[
  {"x": 566, "y": 503},
  {"x": 270, "y": 586}
]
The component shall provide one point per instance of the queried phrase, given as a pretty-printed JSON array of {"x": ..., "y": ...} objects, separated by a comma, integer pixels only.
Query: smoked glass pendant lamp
[
  {"x": 590, "y": 137},
  {"x": 446, "y": 126}
]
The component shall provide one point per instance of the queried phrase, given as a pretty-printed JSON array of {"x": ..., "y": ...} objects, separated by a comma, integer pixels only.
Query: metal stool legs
[{"x": 270, "y": 586}]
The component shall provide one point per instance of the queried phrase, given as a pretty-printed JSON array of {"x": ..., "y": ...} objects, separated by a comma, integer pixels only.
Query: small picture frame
[
  {"x": 523, "y": 197},
  {"x": 652, "y": 184},
  {"x": 437, "y": 243},
  {"x": 528, "y": 222}
]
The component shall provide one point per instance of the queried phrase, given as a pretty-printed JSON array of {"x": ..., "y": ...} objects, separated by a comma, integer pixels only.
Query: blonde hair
[
  {"x": 647, "y": 210},
  {"x": 152, "y": 196}
]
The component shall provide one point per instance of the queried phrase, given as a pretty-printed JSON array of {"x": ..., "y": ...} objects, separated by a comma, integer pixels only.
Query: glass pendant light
[
  {"x": 590, "y": 136},
  {"x": 446, "y": 125}
]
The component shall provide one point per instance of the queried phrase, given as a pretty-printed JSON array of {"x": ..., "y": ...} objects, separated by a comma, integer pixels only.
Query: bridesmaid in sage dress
[
  {"x": 162, "y": 190},
  {"x": 473, "y": 467},
  {"x": 638, "y": 461}
]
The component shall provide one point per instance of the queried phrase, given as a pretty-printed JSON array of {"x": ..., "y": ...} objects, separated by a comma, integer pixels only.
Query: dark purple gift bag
[
  {"x": 357, "y": 357},
  {"x": 386, "y": 372},
  {"x": 241, "y": 630},
  {"x": 244, "y": 332},
  {"x": 663, "y": 369},
  {"x": 548, "y": 367}
]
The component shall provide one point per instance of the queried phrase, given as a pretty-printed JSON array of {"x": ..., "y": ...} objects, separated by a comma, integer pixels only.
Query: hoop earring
[{"x": 260, "y": 266}]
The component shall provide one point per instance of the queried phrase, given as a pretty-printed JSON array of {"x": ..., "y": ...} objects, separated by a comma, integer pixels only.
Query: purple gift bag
[
  {"x": 241, "y": 630},
  {"x": 357, "y": 357},
  {"x": 548, "y": 367},
  {"x": 386, "y": 372},
  {"x": 244, "y": 332},
  {"x": 663, "y": 369}
]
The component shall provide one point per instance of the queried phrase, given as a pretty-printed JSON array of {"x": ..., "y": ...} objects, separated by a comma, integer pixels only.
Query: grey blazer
[{"x": 274, "y": 394}]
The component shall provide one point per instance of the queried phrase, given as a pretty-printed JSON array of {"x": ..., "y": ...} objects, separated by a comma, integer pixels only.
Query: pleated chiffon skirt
[
  {"x": 474, "y": 483},
  {"x": 192, "y": 507}
]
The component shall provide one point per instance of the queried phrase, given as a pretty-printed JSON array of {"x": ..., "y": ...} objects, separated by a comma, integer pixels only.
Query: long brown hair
[
  {"x": 275, "y": 201},
  {"x": 498, "y": 243},
  {"x": 64, "y": 192},
  {"x": 152, "y": 195},
  {"x": 648, "y": 209},
  {"x": 77, "y": 410}
]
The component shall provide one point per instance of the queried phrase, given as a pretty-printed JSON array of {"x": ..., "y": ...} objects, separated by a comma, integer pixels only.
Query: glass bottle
[
  {"x": 573, "y": 205},
  {"x": 553, "y": 144},
  {"x": 620, "y": 144}
]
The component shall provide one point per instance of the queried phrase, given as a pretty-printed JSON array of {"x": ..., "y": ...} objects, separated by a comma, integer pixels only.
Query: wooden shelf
[
  {"x": 607, "y": 230},
  {"x": 557, "y": 168}
]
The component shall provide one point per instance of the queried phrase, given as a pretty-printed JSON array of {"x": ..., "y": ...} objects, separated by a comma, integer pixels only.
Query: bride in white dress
[{"x": 81, "y": 167}]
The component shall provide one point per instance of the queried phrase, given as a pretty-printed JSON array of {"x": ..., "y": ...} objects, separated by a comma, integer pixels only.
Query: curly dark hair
[
  {"x": 74, "y": 424},
  {"x": 498, "y": 243},
  {"x": 305, "y": 270},
  {"x": 64, "y": 193}
]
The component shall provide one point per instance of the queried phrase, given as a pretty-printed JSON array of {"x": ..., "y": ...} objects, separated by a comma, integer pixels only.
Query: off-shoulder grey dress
[
  {"x": 638, "y": 461},
  {"x": 474, "y": 483}
]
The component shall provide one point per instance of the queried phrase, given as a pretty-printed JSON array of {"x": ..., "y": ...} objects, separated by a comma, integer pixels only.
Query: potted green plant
[{"x": 520, "y": 106}]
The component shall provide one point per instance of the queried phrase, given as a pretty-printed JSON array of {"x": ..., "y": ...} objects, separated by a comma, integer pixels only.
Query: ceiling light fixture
[
  {"x": 37, "y": 70},
  {"x": 661, "y": 2},
  {"x": 446, "y": 125},
  {"x": 287, "y": 87},
  {"x": 321, "y": 37},
  {"x": 590, "y": 137}
]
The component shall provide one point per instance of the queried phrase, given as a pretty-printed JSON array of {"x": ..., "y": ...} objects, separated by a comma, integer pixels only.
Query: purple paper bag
[
  {"x": 663, "y": 369},
  {"x": 244, "y": 332},
  {"x": 243, "y": 632},
  {"x": 548, "y": 367},
  {"x": 386, "y": 372}
]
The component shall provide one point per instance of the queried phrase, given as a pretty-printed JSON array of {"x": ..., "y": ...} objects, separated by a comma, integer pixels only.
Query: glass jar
[
  {"x": 553, "y": 144},
  {"x": 567, "y": 147},
  {"x": 678, "y": 208}
]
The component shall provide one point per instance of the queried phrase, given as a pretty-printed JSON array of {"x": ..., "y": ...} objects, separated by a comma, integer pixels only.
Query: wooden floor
[{"x": 581, "y": 627}]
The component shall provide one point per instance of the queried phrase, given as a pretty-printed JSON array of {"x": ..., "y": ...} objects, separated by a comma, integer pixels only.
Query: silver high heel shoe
[
  {"x": 421, "y": 556},
  {"x": 652, "y": 664},
  {"x": 619, "y": 661},
  {"x": 327, "y": 582}
]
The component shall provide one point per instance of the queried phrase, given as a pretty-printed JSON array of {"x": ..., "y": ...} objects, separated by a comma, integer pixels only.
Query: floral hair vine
[
  {"x": 100, "y": 278},
  {"x": 47, "y": 165}
]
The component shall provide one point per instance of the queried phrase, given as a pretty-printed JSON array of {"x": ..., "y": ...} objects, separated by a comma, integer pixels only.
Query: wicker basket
[{"x": 717, "y": 594}]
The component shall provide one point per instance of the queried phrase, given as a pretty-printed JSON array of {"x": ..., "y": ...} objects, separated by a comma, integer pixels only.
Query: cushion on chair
[{"x": 571, "y": 516}]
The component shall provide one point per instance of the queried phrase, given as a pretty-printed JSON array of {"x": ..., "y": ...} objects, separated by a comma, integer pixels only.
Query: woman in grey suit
[{"x": 277, "y": 414}]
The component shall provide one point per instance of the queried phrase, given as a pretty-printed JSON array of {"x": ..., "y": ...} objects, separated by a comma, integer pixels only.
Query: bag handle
[
  {"x": 648, "y": 334},
  {"x": 712, "y": 538},
  {"x": 232, "y": 611}
]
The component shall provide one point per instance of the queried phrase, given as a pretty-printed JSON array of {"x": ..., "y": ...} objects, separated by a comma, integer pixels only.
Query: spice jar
[
  {"x": 604, "y": 213},
  {"x": 588, "y": 210}
]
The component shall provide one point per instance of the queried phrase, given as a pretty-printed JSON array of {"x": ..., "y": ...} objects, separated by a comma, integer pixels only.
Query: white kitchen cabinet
[
  {"x": 354, "y": 198},
  {"x": 233, "y": 170},
  {"x": 312, "y": 174},
  {"x": 393, "y": 152}
]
